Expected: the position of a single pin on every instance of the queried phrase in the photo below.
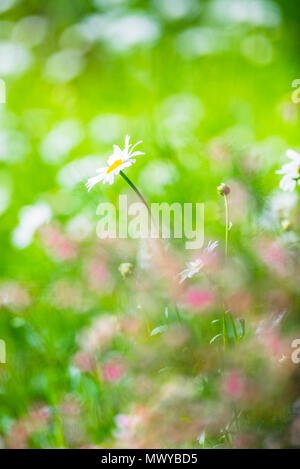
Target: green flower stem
(226, 224)
(224, 330)
(226, 254)
(177, 312)
(149, 211)
(133, 186)
(135, 190)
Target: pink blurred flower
(270, 339)
(127, 426)
(199, 298)
(275, 347)
(13, 296)
(233, 385)
(67, 294)
(65, 250)
(18, 435)
(218, 151)
(57, 244)
(130, 325)
(123, 420)
(99, 334)
(83, 361)
(39, 417)
(114, 370)
(96, 274)
(274, 256)
(50, 235)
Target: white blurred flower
(290, 171)
(119, 160)
(14, 146)
(200, 41)
(61, 140)
(173, 10)
(194, 267)
(278, 206)
(30, 30)
(283, 203)
(120, 33)
(78, 170)
(93, 27)
(256, 12)
(131, 30)
(158, 174)
(31, 218)
(79, 227)
(106, 128)
(64, 66)
(15, 59)
(6, 5)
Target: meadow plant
(185, 335)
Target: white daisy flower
(291, 172)
(194, 267)
(119, 160)
(211, 246)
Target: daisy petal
(137, 153)
(101, 170)
(117, 161)
(293, 155)
(127, 138)
(93, 181)
(135, 145)
(287, 184)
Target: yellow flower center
(198, 266)
(114, 166)
(298, 170)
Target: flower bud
(223, 189)
(282, 359)
(286, 225)
(126, 269)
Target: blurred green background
(207, 86)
